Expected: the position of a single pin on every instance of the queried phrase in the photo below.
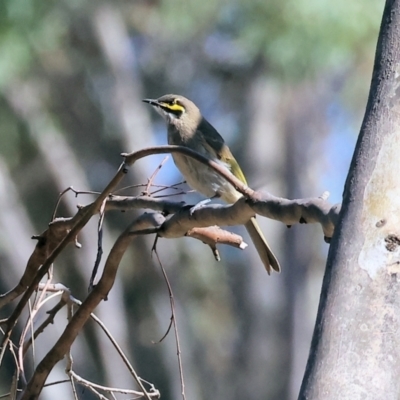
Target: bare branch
(153, 176)
(290, 212)
(175, 325)
(214, 235)
(131, 158)
(175, 221)
(99, 292)
(30, 283)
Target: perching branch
(289, 212)
(170, 220)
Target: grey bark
(355, 351)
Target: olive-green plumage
(187, 127)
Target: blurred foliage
(302, 38)
(294, 39)
(297, 39)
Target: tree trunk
(355, 351)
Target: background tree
(355, 345)
(289, 78)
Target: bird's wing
(215, 144)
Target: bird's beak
(152, 102)
(159, 107)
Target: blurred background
(285, 82)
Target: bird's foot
(199, 205)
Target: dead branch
(70, 236)
(99, 293)
(289, 212)
(175, 220)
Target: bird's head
(175, 109)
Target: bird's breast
(198, 176)
(205, 180)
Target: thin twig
(38, 303)
(138, 185)
(161, 188)
(93, 386)
(163, 196)
(77, 193)
(121, 353)
(80, 223)
(153, 175)
(60, 196)
(171, 319)
(49, 320)
(99, 245)
(177, 343)
(17, 373)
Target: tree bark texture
(355, 351)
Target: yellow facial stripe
(174, 107)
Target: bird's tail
(267, 256)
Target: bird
(187, 127)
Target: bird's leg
(199, 205)
(202, 203)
